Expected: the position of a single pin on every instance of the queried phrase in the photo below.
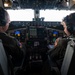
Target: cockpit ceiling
(39, 4)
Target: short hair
(70, 22)
(3, 14)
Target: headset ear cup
(70, 29)
(2, 23)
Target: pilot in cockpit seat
(11, 44)
(68, 24)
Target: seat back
(3, 61)
(68, 65)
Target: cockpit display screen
(55, 33)
(33, 32)
(17, 33)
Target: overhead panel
(41, 4)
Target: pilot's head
(4, 20)
(69, 24)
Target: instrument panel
(36, 32)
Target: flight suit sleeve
(18, 53)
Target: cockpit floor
(40, 70)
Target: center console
(36, 46)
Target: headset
(3, 21)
